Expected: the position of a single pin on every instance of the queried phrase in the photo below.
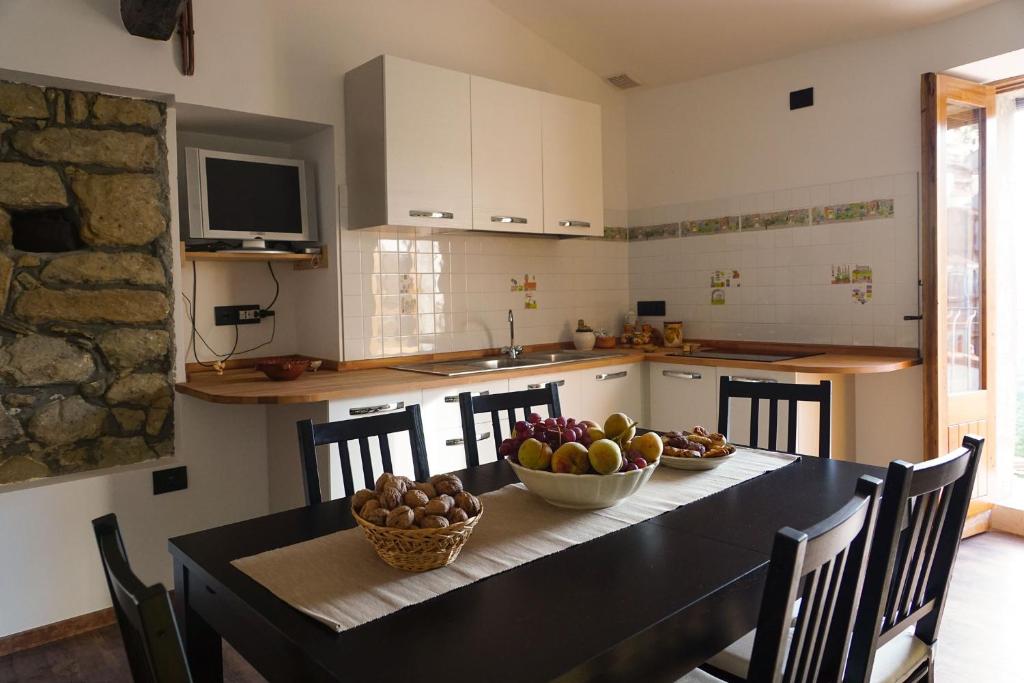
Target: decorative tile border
(712, 226)
(854, 211)
(615, 234)
(793, 218)
(653, 232)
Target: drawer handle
(573, 224)
(678, 374)
(382, 408)
(419, 213)
(459, 442)
(611, 375)
(756, 380)
(455, 398)
(557, 383)
(508, 219)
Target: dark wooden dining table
(649, 602)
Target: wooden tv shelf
(300, 261)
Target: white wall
(266, 57)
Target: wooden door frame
(935, 89)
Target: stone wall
(86, 336)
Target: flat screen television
(251, 198)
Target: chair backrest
(920, 522)
(496, 404)
(361, 430)
(150, 633)
(774, 392)
(829, 560)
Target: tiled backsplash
(408, 291)
(778, 252)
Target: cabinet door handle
(459, 442)
(455, 398)
(573, 224)
(611, 375)
(508, 219)
(420, 213)
(557, 383)
(382, 408)
(678, 374)
(758, 380)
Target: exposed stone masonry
(86, 349)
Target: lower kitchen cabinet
(682, 396)
(568, 389)
(611, 389)
(442, 425)
(398, 443)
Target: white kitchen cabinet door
(429, 158)
(508, 189)
(398, 443)
(682, 396)
(442, 425)
(568, 390)
(612, 389)
(573, 180)
(739, 414)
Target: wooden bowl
(282, 369)
(605, 342)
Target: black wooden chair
(920, 522)
(496, 404)
(774, 392)
(361, 430)
(824, 567)
(150, 634)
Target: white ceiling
(666, 41)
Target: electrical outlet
(799, 99)
(172, 479)
(246, 314)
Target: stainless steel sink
(470, 366)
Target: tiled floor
(980, 638)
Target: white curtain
(1008, 288)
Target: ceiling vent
(622, 81)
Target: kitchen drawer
(683, 396)
(612, 389)
(739, 414)
(447, 453)
(568, 389)
(398, 443)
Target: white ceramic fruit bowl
(583, 491)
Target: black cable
(190, 312)
(277, 287)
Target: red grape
(568, 436)
(534, 418)
(640, 463)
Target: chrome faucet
(512, 351)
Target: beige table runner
(339, 580)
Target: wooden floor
(980, 638)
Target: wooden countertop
(247, 386)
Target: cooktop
(733, 355)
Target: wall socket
(246, 314)
(171, 479)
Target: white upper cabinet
(508, 190)
(407, 130)
(573, 181)
(430, 147)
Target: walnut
(401, 517)
(440, 505)
(457, 515)
(390, 498)
(418, 514)
(360, 498)
(378, 516)
(368, 507)
(427, 488)
(415, 498)
(434, 522)
(384, 480)
(449, 485)
(468, 502)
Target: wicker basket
(418, 550)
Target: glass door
(958, 326)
